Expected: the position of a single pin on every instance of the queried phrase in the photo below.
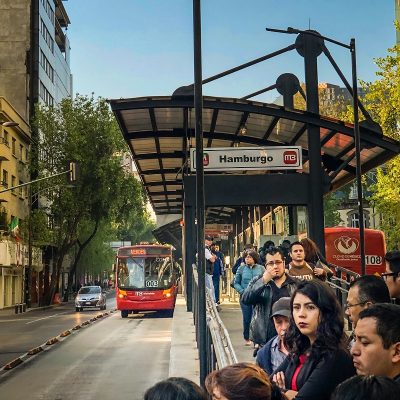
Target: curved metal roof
(160, 130)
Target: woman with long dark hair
(318, 359)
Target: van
(342, 248)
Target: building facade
(35, 68)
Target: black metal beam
(271, 128)
(298, 135)
(368, 135)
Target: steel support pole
(28, 271)
(198, 106)
(358, 155)
(310, 47)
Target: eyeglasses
(347, 306)
(386, 274)
(271, 263)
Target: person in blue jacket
(274, 352)
(245, 273)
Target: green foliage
(84, 130)
(331, 213)
(98, 255)
(383, 102)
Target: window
(21, 190)
(5, 178)
(49, 10)
(21, 152)
(46, 36)
(6, 138)
(45, 64)
(13, 183)
(45, 95)
(13, 145)
(354, 220)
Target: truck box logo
(346, 245)
(290, 157)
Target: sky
(134, 48)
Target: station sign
(249, 158)
(224, 228)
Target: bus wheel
(124, 313)
(167, 313)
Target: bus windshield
(146, 273)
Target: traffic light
(73, 171)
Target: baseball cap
(208, 237)
(281, 307)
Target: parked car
(90, 297)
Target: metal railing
(219, 349)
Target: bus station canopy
(160, 130)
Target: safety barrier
(219, 349)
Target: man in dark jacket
(271, 356)
(263, 291)
(376, 350)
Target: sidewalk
(184, 356)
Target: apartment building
(35, 68)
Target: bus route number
(373, 260)
(152, 284)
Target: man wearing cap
(270, 356)
(210, 259)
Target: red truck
(342, 247)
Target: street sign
(249, 158)
(218, 228)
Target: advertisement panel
(342, 246)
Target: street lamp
(356, 127)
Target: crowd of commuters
(292, 317)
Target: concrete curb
(32, 353)
(184, 356)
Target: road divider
(35, 350)
(12, 364)
(52, 341)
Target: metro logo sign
(249, 158)
(290, 157)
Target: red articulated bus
(146, 279)
(342, 247)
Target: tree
(84, 130)
(331, 213)
(383, 102)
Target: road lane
(21, 332)
(114, 359)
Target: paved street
(21, 332)
(114, 358)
